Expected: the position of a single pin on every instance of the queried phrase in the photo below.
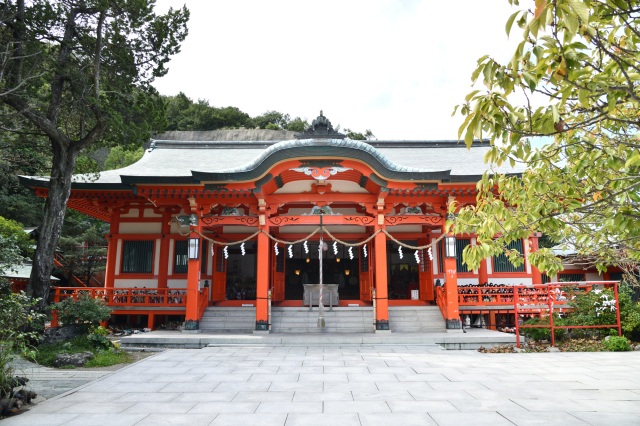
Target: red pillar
(452, 315)
(483, 273)
(381, 285)
(192, 319)
(112, 249)
(536, 275)
(164, 250)
(262, 282)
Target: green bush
(617, 343)
(104, 355)
(18, 319)
(83, 310)
(539, 334)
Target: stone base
(454, 330)
(262, 332)
(191, 331)
(383, 332)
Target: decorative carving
(320, 128)
(190, 220)
(229, 220)
(360, 220)
(324, 210)
(281, 220)
(230, 211)
(413, 210)
(320, 173)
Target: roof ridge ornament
(320, 128)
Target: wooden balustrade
(120, 297)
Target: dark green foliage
(105, 353)
(83, 248)
(83, 310)
(357, 136)
(617, 343)
(17, 319)
(184, 114)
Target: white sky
(395, 67)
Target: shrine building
(256, 220)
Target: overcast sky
(395, 67)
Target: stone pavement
(361, 385)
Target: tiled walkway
(358, 385)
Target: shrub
(83, 310)
(18, 318)
(617, 343)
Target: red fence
(555, 297)
(127, 296)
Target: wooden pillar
(381, 284)
(452, 313)
(164, 250)
(112, 249)
(536, 275)
(192, 320)
(262, 281)
(483, 272)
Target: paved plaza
(353, 385)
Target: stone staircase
(402, 319)
(217, 319)
(416, 319)
(339, 320)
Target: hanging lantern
(194, 248)
(450, 246)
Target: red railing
(555, 297)
(441, 300)
(127, 296)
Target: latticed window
(137, 257)
(181, 261)
(571, 277)
(460, 245)
(501, 262)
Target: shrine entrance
(304, 268)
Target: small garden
(595, 308)
(79, 342)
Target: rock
(552, 349)
(606, 339)
(63, 333)
(74, 360)
(637, 348)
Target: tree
(573, 78)
(79, 71)
(120, 157)
(357, 136)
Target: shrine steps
(337, 320)
(416, 319)
(219, 319)
(402, 319)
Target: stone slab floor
(353, 385)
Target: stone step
(415, 319)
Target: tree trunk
(54, 212)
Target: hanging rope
(303, 239)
